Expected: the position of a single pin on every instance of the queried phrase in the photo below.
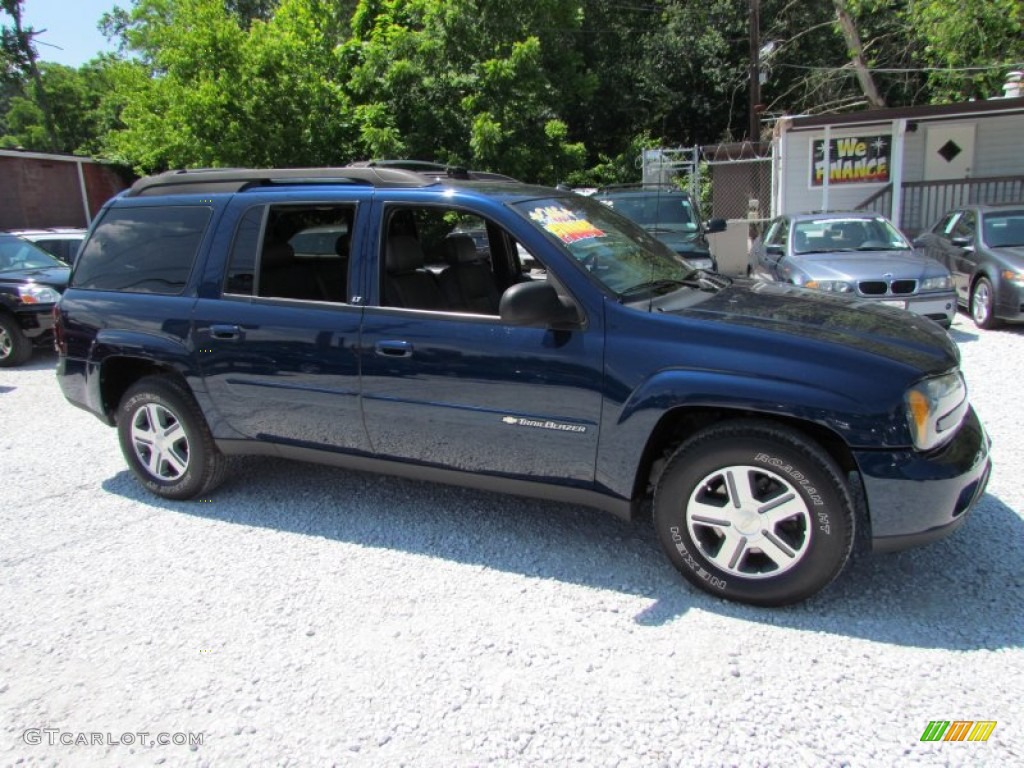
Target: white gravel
(309, 616)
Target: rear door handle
(226, 332)
(394, 348)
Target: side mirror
(537, 304)
(775, 250)
(715, 225)
(960, 241)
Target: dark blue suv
(344, 316)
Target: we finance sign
(852, 160)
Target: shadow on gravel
(41, 360)
(965, 331)
(961, 593)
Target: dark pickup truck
(344, 316)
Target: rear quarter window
(142, 249)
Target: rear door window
(143, 249)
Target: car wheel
(754, 512)
(15, 349)
(983, 304)
(165, 439)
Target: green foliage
(72, 97)
(548, 90)
(956, 36)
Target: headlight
(943, 283)
(698, 262)
(935, 408)
(836, 286)
(37, 294)
(1017, 278)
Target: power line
(895, 70)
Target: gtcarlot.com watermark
(54, 736)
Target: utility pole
(755, 70)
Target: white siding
(997, 146)
(997, 152)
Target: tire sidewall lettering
(801, 480)
(709, 578)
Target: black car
(668, 213)
(983, 248)
(31, 282)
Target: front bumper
(914, 498)
(940, 307)
(36, 321)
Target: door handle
(394, 348)
(226, 332)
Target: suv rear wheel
(15, 349)
(755, 512)
(166, 441)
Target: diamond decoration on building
(949, 151)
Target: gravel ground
(310, 616)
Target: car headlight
(1017, 278)
(836, 286)
(935, 408)
(34, 293)
(943, 283)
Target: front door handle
(394, 348)
(226, 332)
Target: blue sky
(71, 25)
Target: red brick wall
(40, 192)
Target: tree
(484, 83)
(207, 92)
(19, 56)
(972, 43)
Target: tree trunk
(856, 50)
(25, 44)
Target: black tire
(15, 348)
(983, 304)
(186, 462)
(735, 550)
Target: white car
(62, 242)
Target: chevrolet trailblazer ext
(345, 316)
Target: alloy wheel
(160, 442)
(749, 522)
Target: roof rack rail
(434, 169)
(213, 180)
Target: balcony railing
(923, 202)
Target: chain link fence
(728, 181)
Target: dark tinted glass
(145, 250)
(241, 277)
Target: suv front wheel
(166, 441)
(755, 512)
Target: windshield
(18, 254)
(661, 211)
(846, 234)
(620, 255)
(1005, 229)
